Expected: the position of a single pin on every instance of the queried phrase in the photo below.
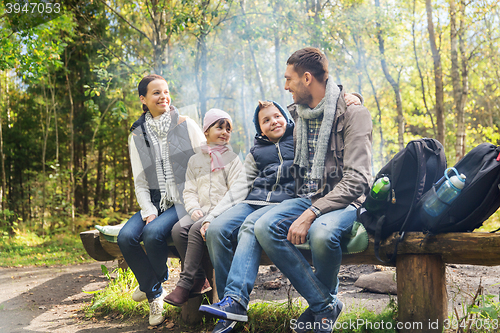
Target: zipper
(278, 176)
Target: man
(332, 170)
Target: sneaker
(178, 296)
(325, 322)
(139, 295)
(200, 287)
(226, 309)
(304, 322)
(224, 326)
(156, 316)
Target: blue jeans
(235, 277)
(318, 287)
(150, 269)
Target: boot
(178, 296)
(200, 287)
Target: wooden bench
(420, 269)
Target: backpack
(479, 198)
(412, 172)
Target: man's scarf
(158, 130)
(327, 107)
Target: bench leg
(422, 296)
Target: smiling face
(157, 98)
(272, 123)
(219, 133)
(295, 84)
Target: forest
(69, 75)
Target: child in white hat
(209, 176)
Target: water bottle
(447, 192)
(379, 192)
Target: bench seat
(420, 268)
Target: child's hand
(351, 99)
(197, 214)
(203, 230)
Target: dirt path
(50, 299)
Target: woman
(160, 144)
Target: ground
(49, 299)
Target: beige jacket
(205, 189)
(348, 159)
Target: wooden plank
(422, 297)
(477, 248)
(472, 248)
(91, 244)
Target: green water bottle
(378, 194)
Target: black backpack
(479, 198)
(412, 172)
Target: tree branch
(130, 24)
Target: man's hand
(197, 214)
(150, 218)
(351, 99)
(203, 230)
(298, 230)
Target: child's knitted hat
(214, 115)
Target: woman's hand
(203, 230)
(197, 214)
(351, 99)
(150, 218)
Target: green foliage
(273, 317)
(116, 298)
(368, 321)
(480, 313)
(29, 249)
(61, 169)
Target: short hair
(312, 60)
(142, 88)
(265, 104)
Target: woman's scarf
(158, 130)
(327, 107)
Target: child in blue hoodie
(265, 182)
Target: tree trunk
(72, 148)
(381, 132)
(315, 7)
(97, 195)
(429, 113)
(2, 156)
(252, 54)
(257, 72)
(44, 152)
(277, 53)
(248, 141)
(201, 66)
(438, 76)
(460, 145)
(393, 83)
(85, 181)
(160, 39)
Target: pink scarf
(215, 152)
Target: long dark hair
(142, 88)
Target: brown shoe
(200, 287)
(178, 296)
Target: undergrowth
(275, 317)
(26, 248)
